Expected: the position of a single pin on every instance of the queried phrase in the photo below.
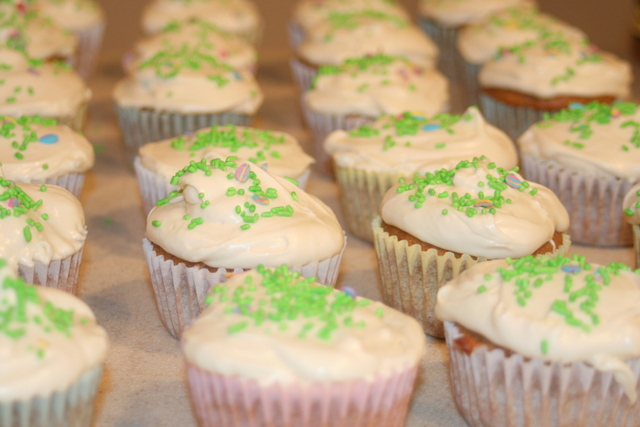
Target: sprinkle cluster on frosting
(289, 296)
(19, 203)
(351, 20)
(29, 135)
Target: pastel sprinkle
(14, 202)
(242, 173)
(571, 269)
(264, 166)
(350, 291)
(431, 127)
(259, 199)
(49, 138)
(513, 181)
(483, 203)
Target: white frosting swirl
(280, 151)
(221, 211)
(74, 15)
(455, 13)
(478, 42)
(486, 300)
(376, 85)
(48, 90)
(359, 34)
(631, 205)
(39, 225)
(44, 349)
(596, 140)
(233, 16)
(45, 150)
(369, 341)
(557, 65)
(517, 228)
(406, 143)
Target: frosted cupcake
(359, 90)
(631, 204)
(291, 352)
(436, 225)
(52, 355)
(230, 216)
(34, 88)
(238, 17)
(368, 160)
(37, 150)
(360, 34)
(547, 75)
(178, 90)
(559, 337)
(278, 152)
(43, 233)
(588, 156)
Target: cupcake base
(59, 274)
(89, 41)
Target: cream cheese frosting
(475, 208)
(478, 42)
(358, 34)
(74, 15)
(408, 142)
(332, 335)
(233, 16)
(555, 309)
(557, 65)
(234, 214)
(380, 84)
(186, 79)
(39, 222)
(279, 152)
(594, 139)
(30, 88)
(631, 205)
(36, 149)
(454, 13)
(49, 339)
(203, 37)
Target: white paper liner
(89, 41)
(295, 34)
(410, 277)
(231, 401)
(636, 243)
(594, 203)
(139, 126)
(470, 87)
(302, 74)
(60, 274)
(511, 119)
(154, 187)
(72, 407)
(180, 291)
(492, 389)
(73, 182)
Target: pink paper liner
(511, 119)
(594, 203)
(89, 41)
(231, 401)
(73, 182)
(494, 389)
(59, 274)
(180, 291)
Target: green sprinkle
(156, 223)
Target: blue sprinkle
(49, 138)
(236, 75)
(349, 291)
(576, 106)
(431, 127)
(571, 269)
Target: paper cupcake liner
(232, 401)
(60, 274)
(295, 35)
(470, 87)
(511, 119)
(302, 74)
(73, 182)
(594, 203)
(75, 122)
(180, 291)
(72, 407)
(89, 41)
(139, 126)
(636, 243)
(410, 277)
(493, 389)
(154, 187)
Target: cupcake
(586, 154)
(547, 75)
(37, 150)
(309, 13)
(360, 34)
(436, 225)
(182, 89)
(35, 88)
(278, 152)
(359, 90)
(85, 20)
(275, 349)
(631, 204)
(52, 355)
(545, 342)
(479, 42)
(238, 17)
(369, 159)
(228, 216)
(43, 233)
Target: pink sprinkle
(615, 112)
(264, 166)
(34, 71)
(223, 53)
(417, 70)
(13, 202)
(242, 173)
